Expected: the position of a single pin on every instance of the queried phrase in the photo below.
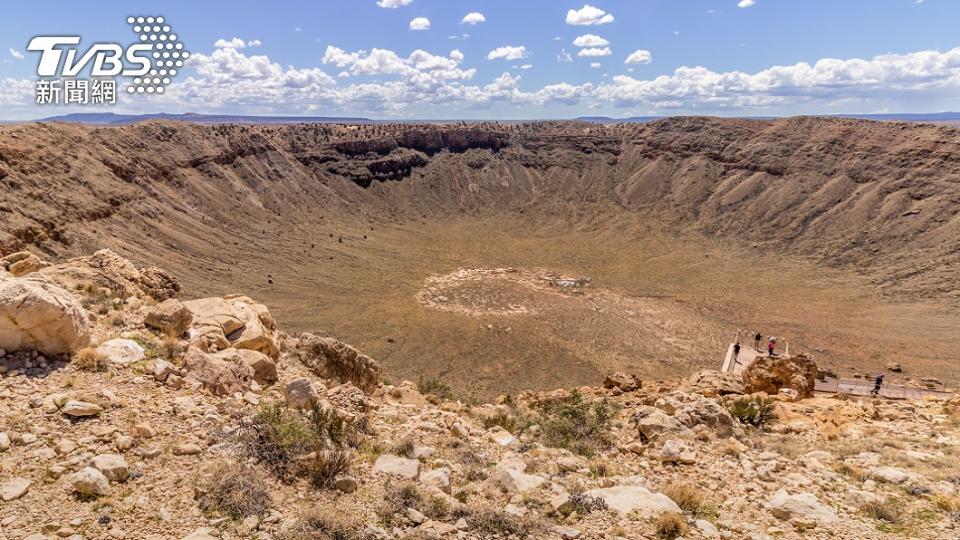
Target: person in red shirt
(770, 345)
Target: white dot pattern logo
(168, 53)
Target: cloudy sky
(518, 58)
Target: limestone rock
(264, 368)
(122, 351)
(712, 383)
(113, 466)
(625, 382)
(332, 359)
(14, 489)
(90, 482)
(107, 270)
(37, 314)
(79, 409)
(258, 332)
(170, 318)
(222, 373)
(21, 263)
(802, 505)
(393, 465)
(770, 374)
(299, 393)
(890, 475)
(438, 478)
(626, 499)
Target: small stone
(90, 482)
(397, 466)
(345, 484)
(113, 466)
(80, 409)
(14, 489)
(186, 449)
(300, 393)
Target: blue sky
(520, 59)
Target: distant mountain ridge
(114, 119)
(888, 117)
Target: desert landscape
(478, 330)
(839, 236)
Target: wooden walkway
(836, 385)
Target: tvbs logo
(150, 64)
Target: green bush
(435, 387)
(753, 411)
(283, 439)
(573, 423)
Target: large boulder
(122, 351)
(107, 270)
(169, 317)
(21, 263)
(236, 322)
(627, 499)
(802, 506)
(222, 373)
(333, 359)
(680, 411)
(771, 373)
(37, 314)
(712, 383)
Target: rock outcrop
(771, 373)
(105, 270)
(331, 358)
(35, 313)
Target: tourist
(756, 341)
(876, 385)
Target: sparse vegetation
(670, 525)
(233, 490)
(284, 440)
(573, 423)
(88, 359)
(886, 511)
(584, 504)
(687, 496)
(328, 524)
(435, 387)
(398, 498)
(755, 411)
(493, 522)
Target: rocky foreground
(128, 413)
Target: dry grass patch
(328, 524)
(492, 522)
(88, 359)
(887, 511)
(233, 490)
(687, 496)
(670, 525)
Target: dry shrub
(670, 525)
(435, 387)
(293, 444)
(398, 498)
(403, 447)
(687, 496)
(852, 472)
(492, 522)
(882, 510)
(233, 490)
(573, 423)
(328, 524)
(947, 503)
(88, 359)
(324, 467)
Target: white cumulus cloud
(393, 4)
(473, 18)
(16, 54)
(235, 43)
(595, 65)
(639, 56)
(590, 40)
(420, 23)
(588, 16)
(595, 51)
(508, 52)
(746, 3)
